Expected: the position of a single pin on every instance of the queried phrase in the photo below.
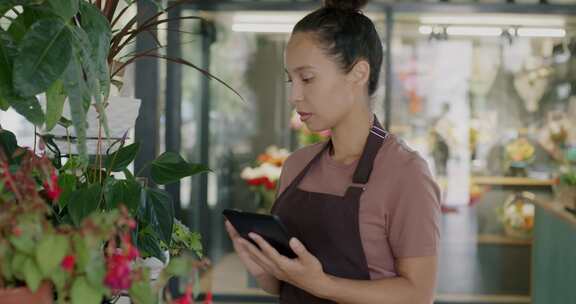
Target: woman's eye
(307, 80)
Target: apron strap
(373, 143)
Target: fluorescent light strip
(263, 28)
(541, 32)
(473, 31)
(425, 30)
(267, 18)
(495, 20)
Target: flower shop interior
(484, 90)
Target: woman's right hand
(241, 248)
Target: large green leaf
(160, 213)
(99, 33)
(64, 8)
(55, 97)
(84, 293)
(88, 63)
(83, 202)
(119, 160)
(79, 100)
(24, 21)
(67, 183)
(50, 252)
(8, 52)
(141, 293)
(45, 52)
(171, 167)
(150, 245)
(32, 274)
(125, 192)
(29, 107)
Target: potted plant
(83, 263)
(70, 51)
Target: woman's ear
(361, 72)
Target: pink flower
(68, 263)
(118, 272)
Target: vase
(22, 295)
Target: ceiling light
(541, 32)
(495, 20)
(473, 31)
(263, 27)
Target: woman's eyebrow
(300, 68)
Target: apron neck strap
(374, 141)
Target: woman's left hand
(304, 272)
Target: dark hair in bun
(347, 35)
(345, 4)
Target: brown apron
(328, 224)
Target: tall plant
(69, 50)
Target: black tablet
(268, 227)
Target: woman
(363, 207)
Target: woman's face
(320, 91)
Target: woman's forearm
(269, 283)
(390, 291)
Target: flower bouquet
(263, 178)
(519, 153)
(517, 215)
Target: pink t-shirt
(399, 211)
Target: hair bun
(345, 4)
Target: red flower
(186, 298)
(270, 185)
(118, 272)
(132, 252)
(68, 263)
(53, 190)
(16, 231)
(256, 181)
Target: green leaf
(99, 33)
(18, 265)
(8, 142)
(23, 243)
(126, 192)
(83, 202)
(8, 51)
(141, 293)
(150, 245)
(178, 267)
(83, 293)
(119, 160)
(81, 250)
(29, 107)
(79, 100)
(32, 274)
(88, 64)
(65, 8)
(160, 213)
(50, 252)
(24, 21)
(55, 97)
(95, 272)
(67, 183)
(45, 52)
(4, 105)
(171, 167)
(59, 279)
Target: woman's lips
(304, 116)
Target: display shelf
(511, 181)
